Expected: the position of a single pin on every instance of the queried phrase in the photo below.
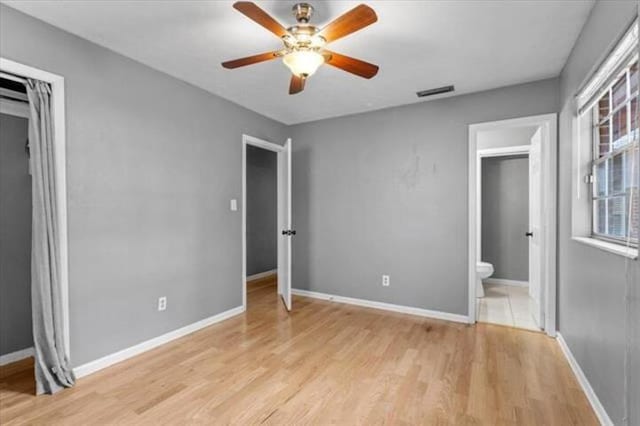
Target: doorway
(505, 291)
(262, 223)
(506, 215)
(266, 219)
(50, 300)
(16, 336)
(59, 157)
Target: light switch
(234, 205)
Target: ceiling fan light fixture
(304, 43)
(303, 63)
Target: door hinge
(588, 178)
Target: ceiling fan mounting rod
(302, 12)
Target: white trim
(626, 50)
(548, 122)
(619, 249)
(26, 71)
(504, 151)
(12, 78)
(15, 108)
(383, 306)
(260, 143)
(597, 406)
(60, 149)
(16, 356)
(262, 275)
(503, 281)
(285, 221)
(250, 140)
(109, 360)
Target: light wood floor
(325, 363)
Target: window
(616, 215)
(607, 150)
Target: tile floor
(506, 305)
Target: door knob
(529, 234)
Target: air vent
(436, 91)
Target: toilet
(483, 270)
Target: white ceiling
(474, 45)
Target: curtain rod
(12, 77)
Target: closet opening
(16, 336)
(34, 301)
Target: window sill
(630, 252)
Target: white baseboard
(261, 275)
(601, 413)
(16, 356)
(104, 362)
(503, 281)
(384, 306)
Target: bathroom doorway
(512, 237)
(507, 297)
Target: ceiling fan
(304, 44)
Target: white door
(285, 231)
(535, 228)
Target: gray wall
(591, 282)
(505, 137)
(262, 210)
(152, 163)
(15, 236)
(385, 192)
(505, 216)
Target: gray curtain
(51, 365)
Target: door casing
(548, 124)
(60, 175)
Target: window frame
(607, 158)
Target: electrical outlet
(162, 303)
(386, 281)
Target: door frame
(270, 146)
(548, 124)
(60, 177)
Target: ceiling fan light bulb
(303, 63)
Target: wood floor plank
(323, 363)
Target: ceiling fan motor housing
(302, 12)
(303, 37)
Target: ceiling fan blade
(253, 12)
(296, 85)
(350, 22)
(352, 65)
(236, 63)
